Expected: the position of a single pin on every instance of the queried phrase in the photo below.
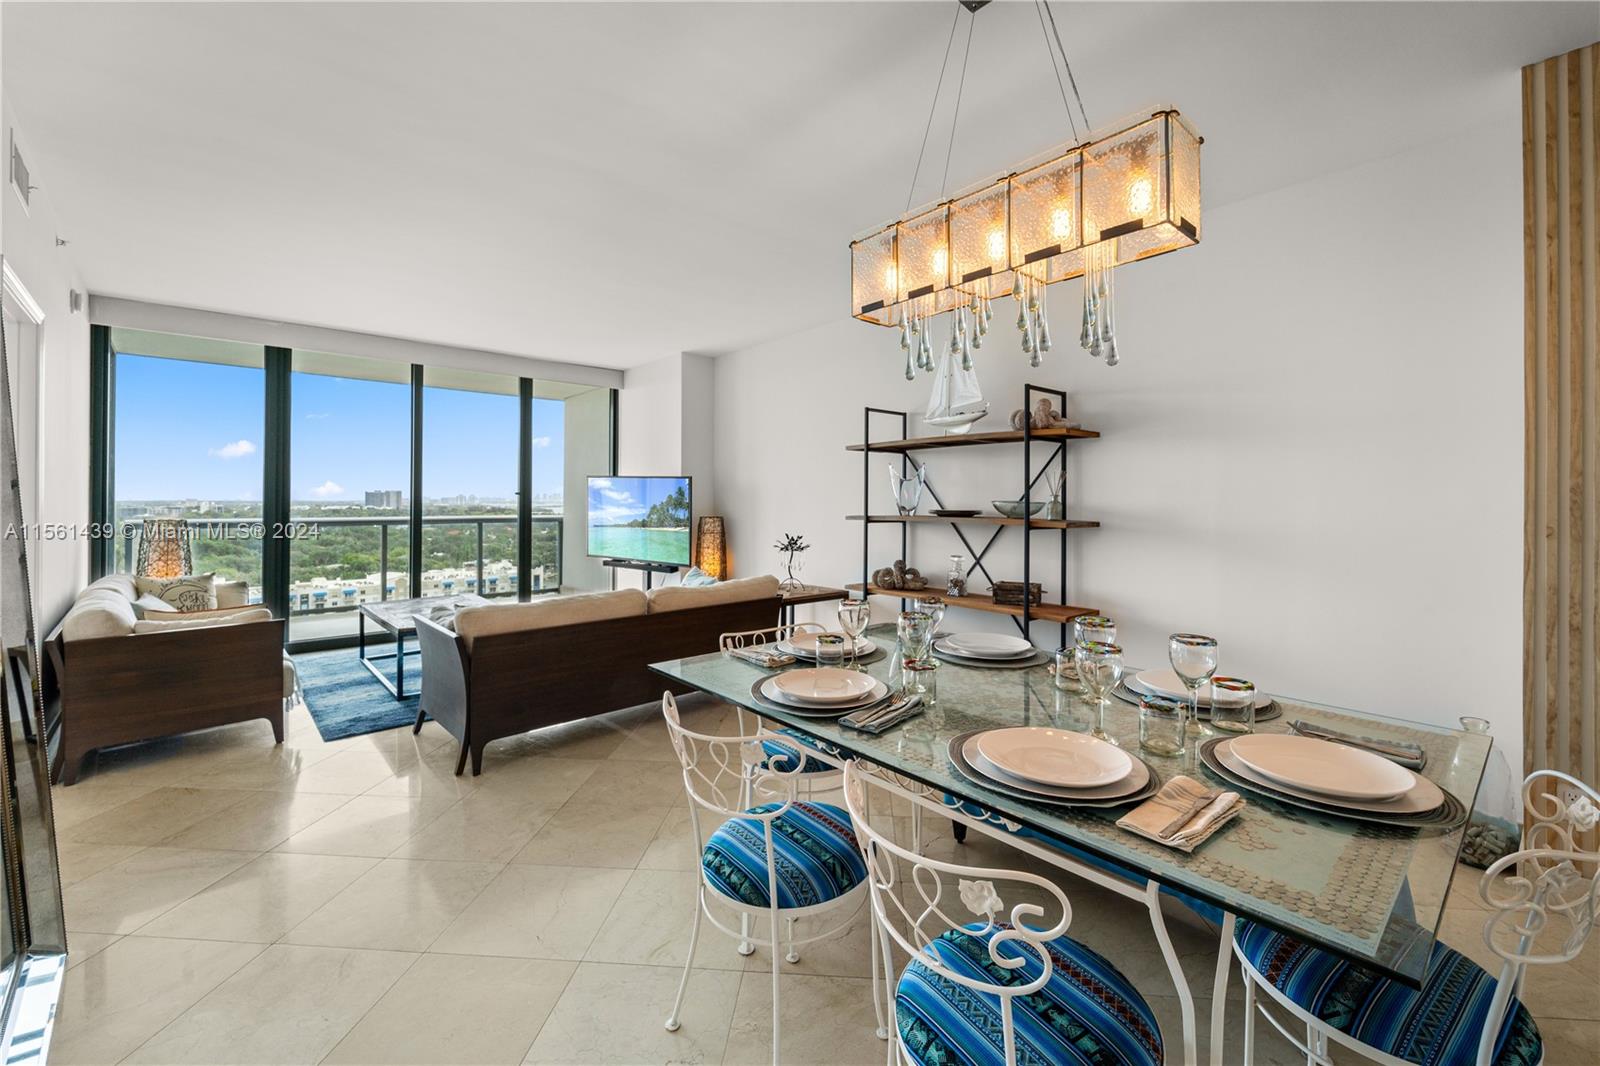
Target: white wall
(1312, 449)
(27, 241)
(587, 450)
(666, 425)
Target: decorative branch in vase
(791, 544)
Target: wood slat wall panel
(1561, 552)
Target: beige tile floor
(229, 901)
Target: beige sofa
(507, 668)
(125, 678)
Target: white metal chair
(991, 991)
(1462, 1015)
(781, 858)
(819, 767)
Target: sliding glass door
(189, 425)
(349, 490)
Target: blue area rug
(347, 701)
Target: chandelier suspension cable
(933, 108)
(1087, 129)
(956, 115)
(1044, 35)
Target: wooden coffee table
(398, 617)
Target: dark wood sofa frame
(510, 683)
(117, 690)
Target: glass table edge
(1409, 965)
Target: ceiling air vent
(19, 173)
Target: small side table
(793, 598)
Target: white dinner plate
(1421, 798)
(1166, 683)
(986, 646)
(1054, 756)
(824, 684)
(805, 645)
(769, 691)
(1323, 767)
(1136, 779)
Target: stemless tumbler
(1161, 729)
(1233, 704)
(830, 649)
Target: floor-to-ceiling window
(349, 490)
(195, 429)
(188, 426)
(471, 424)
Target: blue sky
(614, 500)
(187, 429)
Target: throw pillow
(150, 603)
(190, 592)
(697, 578)
(233, 593)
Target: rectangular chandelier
(1126, 196)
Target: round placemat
(968, 772)
(1263, 714)
(806, 712)
(1038, 658)
(1448, 815)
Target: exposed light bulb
(940, 258)
(889, 279)
(997, 245)
(1141, 196)
(1061, 224)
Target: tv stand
(634, 564)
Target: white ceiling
(613, 183)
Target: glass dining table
(1370, 892)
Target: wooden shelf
(1043, 612)
(982, 519)
(963, 440)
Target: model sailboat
(956, 402)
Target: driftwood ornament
(1044, 416)
(900, 577)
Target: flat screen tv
(640, 519)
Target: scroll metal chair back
(1544, 900)
(818, 762)
(733, 779)
(1543, 903)
(915, 901)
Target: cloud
(327, 490)
(317, 416)
(237, 450)
(541, 442)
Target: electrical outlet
(1570, 794)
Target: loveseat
(504, 669)
(127, 675)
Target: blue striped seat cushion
(1087, 1013)
(1438, 1025)
(817, 860)
(780, 756)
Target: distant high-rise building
(386, 499)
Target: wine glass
(1194, 660)
(1099, 669)
(853, 618)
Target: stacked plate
(986, 649)
(1053, 766)
(804, 645)
(1333, 778)
(820, 691)
(1165, 683)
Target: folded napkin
(1183, 814)
(760, 656)
(1411, 756)
(883, 717)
